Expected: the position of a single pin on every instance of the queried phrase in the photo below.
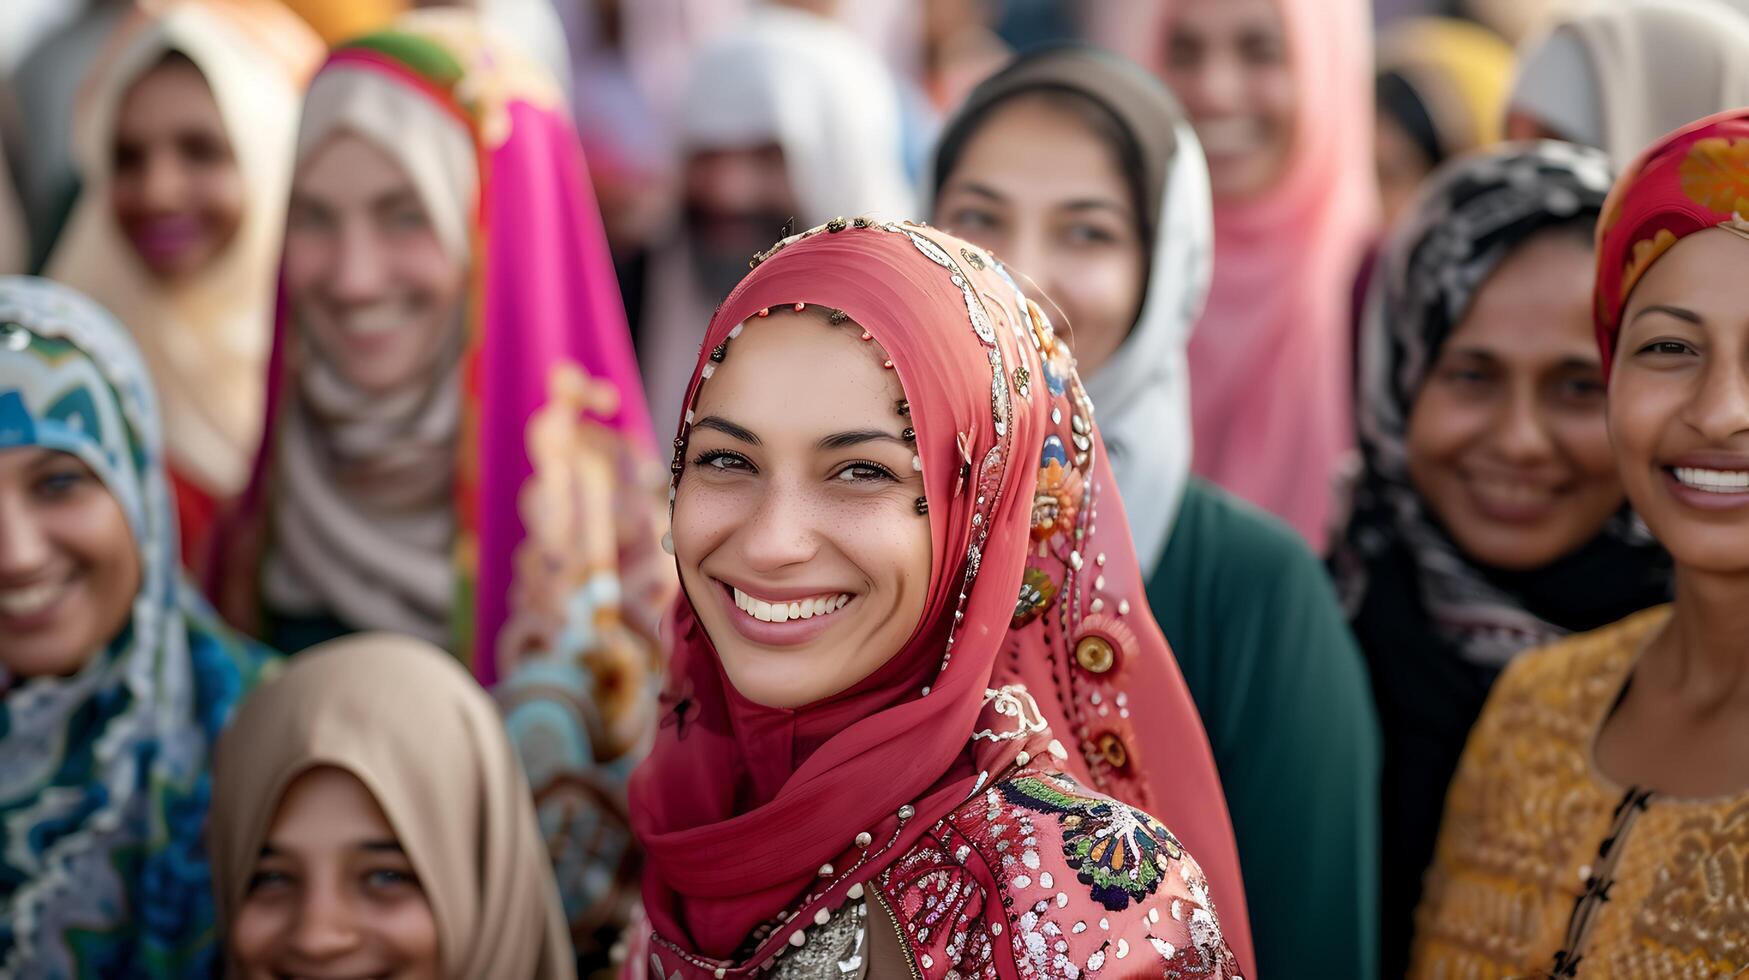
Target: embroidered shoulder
(1063, 881)
(1563, 688)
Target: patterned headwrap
(104, 774)
(1470, 216)
(1691, 180)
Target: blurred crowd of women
(897, 489)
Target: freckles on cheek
(703, 517)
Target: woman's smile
(776, 617)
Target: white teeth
(783, 612)
(1713, 481)
(1513, 491)
(377, 320)
(29, 600)
(1231, 136)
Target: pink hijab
(1269, 363)
(739, 806)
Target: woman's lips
(1708, 488)
(1510, 501)
(27, 609)
(755, 617)
(162, 241)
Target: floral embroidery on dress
(1057, 502)
(1117, 850)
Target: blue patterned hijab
(104, 774)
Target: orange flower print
(1057, 501)
(1715, 175)
(1646, 252)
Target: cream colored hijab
(411, 724)
(205, 341)
(1618, 74)
(14, 242)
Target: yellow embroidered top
(1546, 868)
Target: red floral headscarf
(1691, 180)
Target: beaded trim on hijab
(1012, 702)
(1038, 332)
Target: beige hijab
(408, 721)
(1619, 74)
(364, 514)
(205, 341)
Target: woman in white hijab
(1080, 171)
(1618, 74)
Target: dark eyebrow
(400, 197)
(1095, 204)
(1688, 316)
(982, 190)
(844, 440)
(1479, 353)
(727, 428)
(380, 846)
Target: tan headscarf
(206, 340)
(411, 724)
(1619, 74)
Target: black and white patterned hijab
(1469, 216)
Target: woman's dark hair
(1095, 115)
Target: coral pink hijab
(740, 806)
(1269, 363)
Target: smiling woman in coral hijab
(1280, 93)
(894, 522)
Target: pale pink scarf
(1269, 362)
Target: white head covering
(1142, 394)
(206, 341)
(1618, 74)
(815, 89)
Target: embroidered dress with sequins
(933, 794)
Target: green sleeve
(1257, 630)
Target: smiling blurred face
(1228, 61)
(795, 526)
(176, 191)
(333, 893)
(370, 283)
(1679, 401)
(69, 568)
(1037, 186)
(1507, 442)
(736, 203)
